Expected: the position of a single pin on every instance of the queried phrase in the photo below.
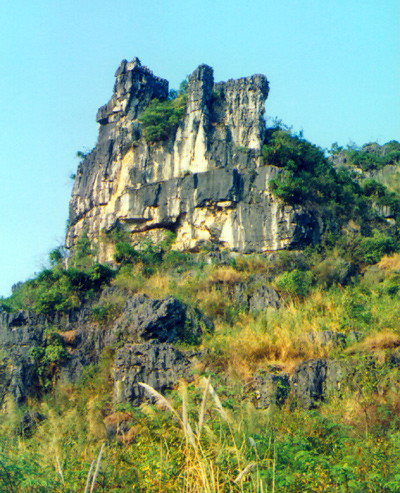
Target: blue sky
(333, 67)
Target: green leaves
(160, 119)
(295, 283)
(307, 175)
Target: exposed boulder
(271, 390)
(260, 297)
(19, 332)
(25, 337)
(160, 365)
(328, 337)
(316, 379)
(166, 320)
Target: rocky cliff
(205, 182)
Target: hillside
(225, 315)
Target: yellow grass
(225, 275)
(390, 262)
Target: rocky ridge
(205, 182)
(142, 339)
(143, 344)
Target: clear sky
(333, 67)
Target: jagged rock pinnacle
(205, 180)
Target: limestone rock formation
(144, 333)
(315, 379)
(205, 182)
(158, 365)
(166, 320)
(19, 332)
(271, 390)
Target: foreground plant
(202, 471)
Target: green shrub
(331, 271)
(308, 176)
(108, 308)
(57, 255)
(296, 283)
(83, 251)
(160, 119)
(373, 156)
(371, 249)
(150, 255)
(125, 253)
(59, 289)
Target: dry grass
(201, 472)
(157, 286)
(131, 279)
(255, 344)
(213, 302)
(278, 338)
(225, 275)
(69, 337)
(252, 264)
(377, 342)
(390, 262)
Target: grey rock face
(326, 337)
(143, 319)
(19, 332)
(260, 298)
(206, 182)
(166, 320)
(315, 379)
(159, 365)
(271, 390)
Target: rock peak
(203, 177)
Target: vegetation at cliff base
(218, 440)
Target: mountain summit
(187, 161)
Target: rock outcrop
(314, 380)
(159, 365)
(19, 333)
(37, 350)
(205, 182)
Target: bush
(125, 253)
(296, 283)
(333, 270)
(373, 156)
(149, 255)
(160, 119)
(371, 249)
(58, 289)
(308, 176)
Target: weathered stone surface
(23, 331)
(260, 297)
(206, 182)
(256, 295)
(166, 320)
(326, 337)
(142, 319)
(271, 390)
(160, 365)
(19, 332)
(329, 337)
(315, 379)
